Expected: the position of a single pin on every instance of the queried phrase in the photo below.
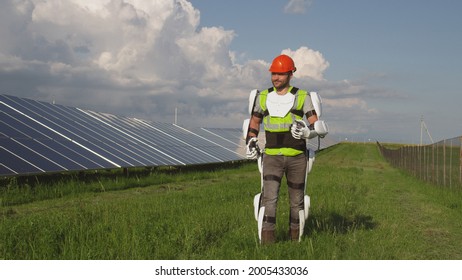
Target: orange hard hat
(282, 64)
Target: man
(281, 108)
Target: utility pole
(176, 115)
(422, 127)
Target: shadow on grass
(336, 223)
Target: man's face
(281, 80)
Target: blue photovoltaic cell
(4, 169)
(13, 164)
(70, 150)
(17, 126)
(233, 135)
(163, 142)
(215, 146)
(184, 146)
(227, 137)
(45, 148)
(26, 152)
(37, 137)
(59, 128)
(136, 138)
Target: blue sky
(406, 53)
(378, 65)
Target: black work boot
(267, 237)
(294, 234)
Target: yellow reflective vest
(279, 140)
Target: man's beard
(281, 86)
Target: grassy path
(361, 209)
(384, 213)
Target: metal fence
(439, 163)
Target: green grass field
(361, 209)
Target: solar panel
(162, 137)
(39, 125)
(230, 139)
(38, 137)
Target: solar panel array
(38, 137)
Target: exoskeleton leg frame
(303, 214)
(259, 211)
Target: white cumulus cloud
(309, 63)
(297, 6)
(143, 59)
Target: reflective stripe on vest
(288, 152)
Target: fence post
(419, 159)
(427, 178)
(417, 165)
(450, 164)
(437, 166)
(444, 162)
(422, 163)
(433, 163)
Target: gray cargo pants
(274, 168)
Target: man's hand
(300, 130)
(252, 150)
